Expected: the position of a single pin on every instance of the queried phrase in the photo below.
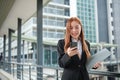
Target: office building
(108, 17)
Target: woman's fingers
(98, 64)
(74, 48)
(72, 51)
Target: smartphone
(73, 44)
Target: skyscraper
(116, 24)
(86, 11)
(108, 22)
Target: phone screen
(73, 44)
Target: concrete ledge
(6, 76)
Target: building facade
(116, 14)
(87, 12)
(108, 20)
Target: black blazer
(74, 68)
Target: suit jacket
(74, 68)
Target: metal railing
(29, 72)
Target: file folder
(98, 57)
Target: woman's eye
(71, 27)
(77, 27)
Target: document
(98, 57)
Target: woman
(74, 59)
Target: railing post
(22, 72)
(13, 69)
(19, 48)
(34, 52)
(57, 74)
(4, 51)
(23, 54)
(9, 49)
(29, 72)
(39, 39)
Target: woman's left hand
(96, 65)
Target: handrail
(105, 73)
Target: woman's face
(75, 30)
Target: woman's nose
(74, 30)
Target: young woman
(73, 59)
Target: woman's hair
(81, 36)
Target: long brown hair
(81, 36)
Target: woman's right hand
(72, 51)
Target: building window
(112, 23)
(54, 57)
(67, 12)
(67, 2)
(51, 34)
(47, 57)
(113, 41)
(50, 56)
(45, 33)
(34, 33)
(112, 32)
(111, 14)
(110, 5)
(34, 21)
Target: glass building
(86, 11)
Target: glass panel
(54, 58)
(45, 34)
(51, 34)
(47, 57)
